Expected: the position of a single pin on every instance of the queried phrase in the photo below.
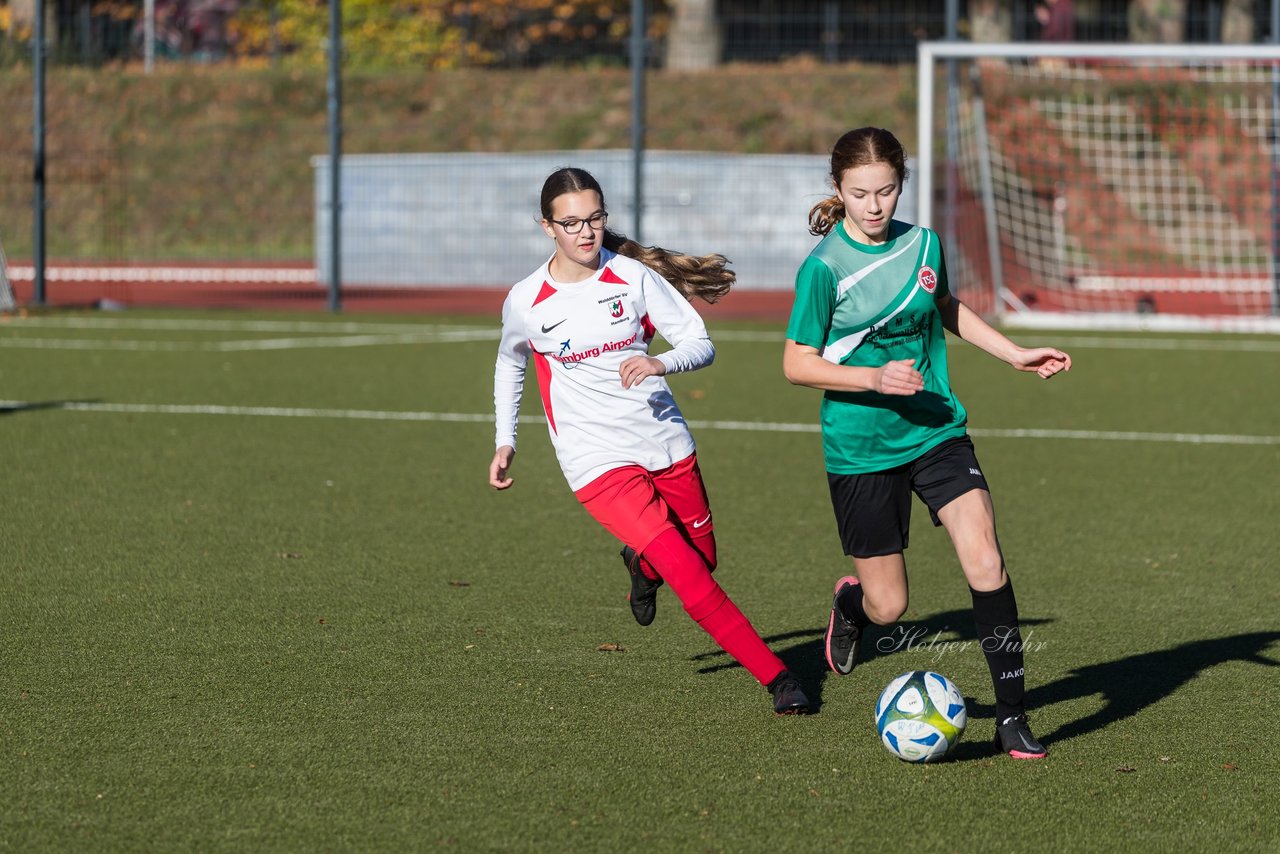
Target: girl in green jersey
(867, 327)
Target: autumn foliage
(389, 34)
(377, 35)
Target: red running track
(287, 287)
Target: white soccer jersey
(578, 335)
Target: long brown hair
(704, 276)
(860, 147)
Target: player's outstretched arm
(501, 465)
(964, 322)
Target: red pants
(665, 517)
(636, 505)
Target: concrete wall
(424, 220)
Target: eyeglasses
(573, 226)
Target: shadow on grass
(1129, 685)
(37, 405)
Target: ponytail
(825, 215)
(704, 276)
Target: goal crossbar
(1099, 110)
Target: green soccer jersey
(865, 305)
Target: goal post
(7, 301)
(1104, 185)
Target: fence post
(38, 170)
(149, 35)
(953, 118)
(1275, 166)
(637, 117)
(335, 155)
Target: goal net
(1118, 186)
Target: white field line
(170, 274)
(455, 333)
(240, 345)
(1271, 345)
(374, 340)
(487, 418)
(230, 325)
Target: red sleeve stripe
(542, 366)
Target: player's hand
(498, 477)
(638, 368)
(1045, 361)
(899, 377)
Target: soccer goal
(7, 301)
(1104, 185)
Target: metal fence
(206, 31)
(123, 191)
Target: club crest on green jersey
(928, 279)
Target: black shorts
(873, 511)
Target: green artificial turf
(307, 624)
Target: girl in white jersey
(585, 318)
(872, 301)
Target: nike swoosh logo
(703, 522)
(848, 663)
(546, 329)
(846, 667)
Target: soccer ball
(920, 716)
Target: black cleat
(844, 637)
(644, 590)
(1014, 737)
(788, 697)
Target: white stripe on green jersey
(836, 351)
(866, 305)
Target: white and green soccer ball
(920, 716)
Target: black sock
(850, 604)
(996, 614)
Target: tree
(377, 34)
(990, 21)
(694, 40)
(520, 32)
(382, 34)
(1160, 21)
(22, 17)
(1237, 21)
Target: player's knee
(985, 570)
(886, 609)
